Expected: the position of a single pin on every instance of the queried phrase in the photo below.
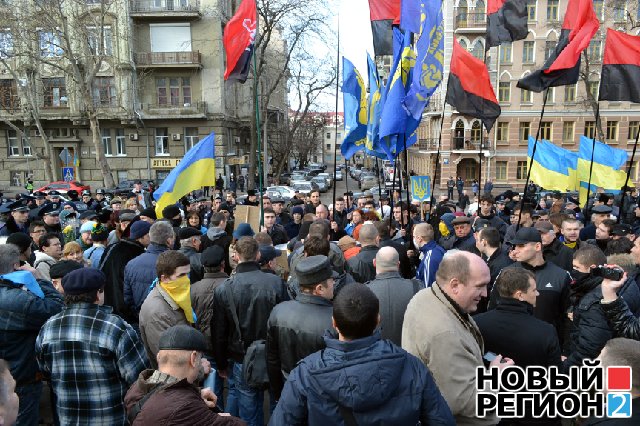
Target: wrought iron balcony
(168, 59)
(169, 8)
(470, 18)
(175, 110)
(430, 144)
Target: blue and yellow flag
(428, 72)
(420, 188)
(374, 108)
(608, 164)
(552, 166)
(354, 95)
(196, 170)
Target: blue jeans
(29, 409)
(215, 382)
(250, 400)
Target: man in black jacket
(553, 282)
(553, 250)
(254, 294)
(486, 212)
(488, 244)
(361, 265)
(295, 328)
(276, 232)
(384, 233)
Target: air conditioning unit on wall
(133, 136)
(176, 136)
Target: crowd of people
(363, 311)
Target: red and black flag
(469, 88)
(239, 41)
(384, 14)
(563, 66)
(620, 80)
(506, 21)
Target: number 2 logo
(619, 405)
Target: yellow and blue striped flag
(608, 165)
(196, 170)
(552, 167)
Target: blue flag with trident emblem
(355, 110)
(420, 188)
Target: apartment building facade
(158, 91)
(502, 153)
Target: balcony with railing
(429, 144)
(168, 59)
(470, 19)
(192, 109)
(461, 144)
(171, 9)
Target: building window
(531, 10)
(501, 170)
(55, 92)
(162, 141)
(524, 131)
(106, 141)
(121, 140)
(50, 44)
(190, 138)
(6, 44)
(174, 91)
(527, 52)
(9, 99)
(478, 50)
(568, 129)
(594, 51)
(521, 170)
(598, 7)
(104, 92)
(122, 175)
(552, 10)
(13, 144)
(570, 93)
(328, 135)
(502, 133)
(545, 130)
(549, 48)
(612, 131)
(476, 131)
(339, 136)
(590, 129)
(634, 126)
(526, 96)
(551, 95)
(504, 91)
(619, 11)
(505, 53)
(592, 87)
(328, 146)
(94, 35)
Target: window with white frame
(95, 35)
(50, 44)
(6, 44)
(26, 148)
(121, 140)
(528, 49)
(505, 53)
(13, 144)
(190, 137)
(106, 141)
(162, 141)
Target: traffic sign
(67, 173)
(66, 157)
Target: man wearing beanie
(60, 269)
(293, 226)
(295, 327)
(113, 263)
(170, 394)
(148, 215)
(23, 242)
(99, 235)
(89, 355)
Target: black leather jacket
(361, 265)
(294, 331)
(623, 322)
(255, 293)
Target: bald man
(448, 341)
(393, 292)
(361, 266)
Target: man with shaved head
(361, 265)
(447, 340)
(393, 292)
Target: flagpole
(435, 172)
(335, 144)
(257, 105)
(379, 187)
(533, 155)
(626, 182)
(593, 151)
(486, 50)
(406, 171)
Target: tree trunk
(101, 160)
(253, 147)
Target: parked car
(284, 192)
(338, 175)
(328, 178)
(284, 178)
(314, 172)
(355, 173)
(62, 187)
(321, 182)
(368, 182)
(304, 187)
(122, 187)
(297, 176)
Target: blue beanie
(83, 280)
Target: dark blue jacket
(22, 315)
(378, 381)
(139, 274)
(432, 255)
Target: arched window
(458, 135)
(478, 50)
(463, 44)
(476, 132)
(480, 6)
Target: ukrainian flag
(196, 170)
(354, 95)
(608, 164)
(551, 167)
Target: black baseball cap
(526, 235)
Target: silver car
(321, 182)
